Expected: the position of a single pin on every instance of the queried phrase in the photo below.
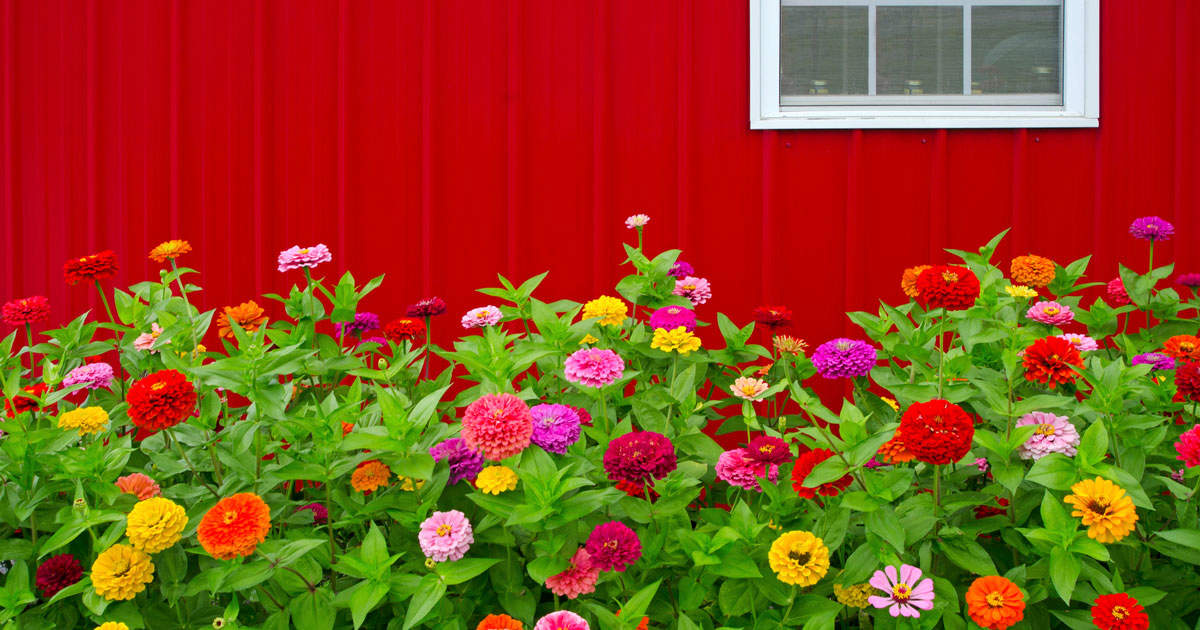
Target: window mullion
(872, 88)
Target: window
(836, 64)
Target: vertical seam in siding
(511, 137)
(938, 202)
(341, 128)
(1020, 205)
(259, 185)
(851, 218)
(765, 138)
(599, 113)
(173, 133)
(683, 128)
(427, 149)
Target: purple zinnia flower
(362, 323)
(1152, 228)
(427, 307)
(1189, 280)
(695, 289)
(1082, 343)
(1054, 434)
(672, 317)
(1156, 360)
(465, 463)
(297, 257)
(1051, 313)
(613, 546)
(681, 269)
(319, 513)
(594, 367)
(481, 317)
(555, 427)
(94, 375)
(904, 594)
(844, 358)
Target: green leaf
(736, 597)
(883, 523)
(1054, 471)
(428, 594)
(1186, 537)
(968, 555)
(374, 548)
(423, 410)
(632, 611)
(1093, 445)
(462, 570)
(315, 609)
(1054, 516)
(1064, 571)
(365, 599)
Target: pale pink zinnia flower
(748, 388)
(480, 317)
(904, 594)
(579, 579)
(1082, 343)
(1051, 313)
(695, 289)
(145, 341)
(1054, 434)
(736, 468)
(446, 536)
(594, 367)
(637, 221)
(562, 620)
(296, 257)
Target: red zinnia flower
(21, 404)
(1119, 611)
(951, 288)
(1187, 382)
(805, 464)
(984, 511)
(636, 490)
(1049, 359)
(90, 268)
(58, 572)
(937, 432)
(161, 400)
(404, 329)
(30, 310)
(773, 316)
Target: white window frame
(1080, 80)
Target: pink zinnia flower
(637, 221)
(1082, 343)
(594, 367)
(145, 341)
(1117, 296)
(1178, 475)
(446, 536)
(30, 310)
(1051, 313)
(481, 317)
(500, 425)
(93, 375)
(695, 289)
(320, 513)
(562, 620)
(748, 388)
(579, 579)
(904, 593)
(139, 485)
(982, 464)
(1054, 434)
(297, 257)
(1188, 447)
(736, 468)
(612, 546)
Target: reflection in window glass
(919, 50)
(823, 50)
(1016, 50)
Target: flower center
(610, 544)
(901, 592)
(444, 530)
(229, 517)
(1187, 346)
(766, 449)
(689, 287)
(950, 276)
(800, 558)
(84, 259)
(1099, 505)
(1050, 310)
(1120, 612)
(1045, 429)
(749, 390)
(158, 386)
(843, 346)
(995, 600)
(481, 315)
(304, 251)
(673, 311)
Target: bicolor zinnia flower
(90, 268)
(1033, 271)
(640, 457)
(248, 315)
(799, 558)
(555, 427)
(500, 425)
(561, 620)
(905, 593)
(748, 388)
(769, 449)
(370, 476)
(677, 340)
(1054, 434)
(362, 323)
(56, 573)
(794, 346)
(496, 479)
(773, 316)
(139, 485)
(1020, 291)
(579, 578)
(161, 400)
(949, 287)
(404, 329)
(1155, 360)
(30, 310)
(937, 432)
(672, 317)
(613, 546)
(169, 250)
(804, 467)
(499, 622)
(1188, 447)
(1049, 361)
(1119, 611)
(637, 221)
(1105, 509)
(86, 419)
(1183, 347)
(464, 461)
(446, 536)
(1152, 228)
(235, 526)
(594, 367)
(296, 257)
(695, 289)
(908, 281)
(91, 375)
(737, 468)
(680, 269)
(428, 307)
(121, 572)
(155, 524)
(844, 358)
(995, 603)
(1082, 343)
(1116, 294)
(1050, 313)
(608, 310)
(482, 317)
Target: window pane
(823, 50)
(919, 50)
(1016, 50)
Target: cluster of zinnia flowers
(844, 358)
(1054, 434)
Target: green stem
(941, 353)
(212, 453)
(116, 339)
(29, 342)
(33, 527)
(187, 460)
(937, 494)
(187, 303)
(788, 610)
(332, 544)
(428, 340)
(604, 412)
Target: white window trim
(1081, 81)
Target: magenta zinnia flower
(639, 457)
(736, 468)
(844, 358)
(1054, 434)
(1152, 228)
(672, 317)
(561, 620)
(500, 425)
(30, 310)
(319, 512)
(594, 367)
(579, 579)
(695, 289)
(427, 307)
(446, 536)
(1082, 343)
(1117, 296)
(681, 269)
(1156, 360)
(297, 257)
(363, 322)
(613, 546)
(1189, 280)
(1051, 313)
(1188, 447)
(555, 427)
(93, 375)
(905, 594)
(481, 317)
(465, 462)
(768, 449)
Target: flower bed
(1009, 457)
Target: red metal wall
(441, 141)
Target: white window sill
(843, 119)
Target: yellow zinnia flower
(610, 310)
(408, 484)
(799, 558)
(1105, 508)
(155, 524)
(112, 625)
(678, 340)
(496, 479)
(1020, 291)
(588, 339)
(169, 250)
(86, 419)
(855, 596)
(121, 572)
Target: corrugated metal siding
(441, 141)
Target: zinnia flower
(138, 485)
(805, 465)
(155, 524)
(465, 462)
(1031, 270)
(639, 457)
(482, 317)
(297, 257)
(555, 427)
(499, 622)
(1187, 382)
(86, 419)
(363, 322)
(773, 316)
(748, 388)
(1116, 294)
(612, 546)
(370, 476)
(234, 526)
(428, 307)
(948, 287)
(855, 596)
(894, 452)
(680, 269)
(937, 432)
(404, 329)
(672, 317)
(169, 250)
(677, 340)
(248, 315)
(1054, 434)
(1119, 611)
(500, 425)
(609, 310)
(637, 221)
(1184, 347)
(121, 572)
(594, 367)
(445, 536)
(1105, 509)
(1189, 280)
(1082, 343)
(56, 573)
(1049, 361)
(320, 513)
(496, 479)
(30, 310)
(1050, 313)
(737, 468)
(92, 375)
(908, 281)
(561, 620)
(90, 268)
(995, 602)
(1152, 228)
(579, 579)
(161, 400)
(112, 625)
(982, 465)
(1155, 360)
(145, 341)
(794, 346)
(844, 358)
(21, 404)
(1020, 291)
(768, 449)
(695, 289)
(799, 558)
(904, 594)
(1188, 447)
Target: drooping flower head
(1032, 271)
(737, 468)
(1119, 611)
(579, 579)
(949, 287)
(1020, 291)
(30, 310)
(145, 341)
(555, 427)
(672, 317)
(370, 476)
(296, 257)
(805, 465)
(1051, 313)
(637, 221)
(769, 449)
(773, 316)
(1049, 360)
(908, 280)
(464, 461)
(1105, 509)
(235, 526)
(695, 289)
(482, 317)
(320, 513)
(1082, 343)
(86, 419)
(1189, 280)
(1152, 228)
(91, 375)
(1156, 360)
(499, 622)
(748, 388)
(446, 536)
(844, 358)
(496, 479)
(139, 485)
(404, 329)
(594, 367)
(995, 603)
(799, 558)
(169, 250)
(161, 400)
(1188, 447)
(640, 457)
(500, 425)
(363, 322)
(609, 310)
(155, 524)
(937, 432)
(680, 269)
(1054, 434)
(855, 596)
(428, 307)
(90, 268)
(612, 546)
(1187, 382)
(561, 620)
(904, 592)
(794, 346)
(56, 573)
(121, 572)
(248, 315)
(1115, 293)
(676, 340)
(1183, 347)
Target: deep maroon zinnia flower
(844, 358)
(427, 307)
(1152, 228)
(768, 449)
(56, 573)
(773, 316)
(90, 268)
(465, 462)
(30, 310)
(639, 456)
(613, 546)
(672, 317)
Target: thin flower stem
(941, 353)
(788, 611)
(270, 597)
(187, 460)
(937, 497)
(332, 544)
(428, 340)
(29, 342)
(187, 303)
(116, 339)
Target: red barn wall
(442, 141)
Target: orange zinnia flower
(1032, 271)
(370, 475)
(995, 602)
(248, 315)
(908, 282)
(234, 526)
(1183, 347)
(499, 622)
(169, 250)
(893, 451)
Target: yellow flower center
(689, 287)
(950, 276)
(158, 386)
(673, 310)
(229, 517)
(1120, 612)
(749, 390)
(1187, 346)
(610, 544)
(84, 259)
(481, 315)
(766, 449)
(901, 592)
(1099, 505)
(444, 530)
(995, 599)
(1050, 310)
(1045, 429)
(304, 251)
